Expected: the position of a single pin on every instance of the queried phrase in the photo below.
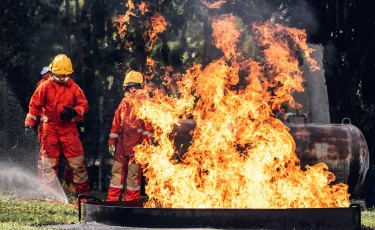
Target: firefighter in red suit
(127, 131)
(59, 100)
(67, 183)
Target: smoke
(292, 13)
(305, 17)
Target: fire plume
(150, 66)
(122, 21)
(156, 25)
(150, 62)
(225, 34)
(241, 156)
(215, 5)
(143, 7)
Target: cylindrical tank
(341, 146)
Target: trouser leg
(133, 182)
(73, 152)
(50, 150)
(68, 174)
(116, 188)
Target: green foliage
(368, 218)
(184, 57)
(195, 41)
(35, 212)
(194, 34)
(173, 45)
(247, 42)
(178, 5)
(156, 51)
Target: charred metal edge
(299, 218)
(84, 196)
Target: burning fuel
(143, 7)
(241, 156)
(122, 21)
(155, 25)
(214, 5)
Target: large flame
(156, 25)
(214, 5)
(122, 21)
(225, 34)
(143, 7)
(150, 66)
(241, 156)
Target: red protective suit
(126, 133)
(68, 173)
(40, 166)
(44, 78)
(49, 100)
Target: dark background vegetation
(33, 32)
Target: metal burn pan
(129, 215)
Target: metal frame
(120, 214)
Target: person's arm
(82, 106)
(116, 127)
(35, 105)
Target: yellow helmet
(133, 77)
(61, 64)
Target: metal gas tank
(341, 146)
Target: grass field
(368, 219)
(34, 214)
(30, 214)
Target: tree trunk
(67, 23)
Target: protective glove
(111, 150)
(68, 114)
(29, 131)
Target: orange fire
(169, 80)
(215, 5)
(122, 21)
(150, 66)
(241, 156)
(156, 25)
(143, 7)
(150, 62)
(225, 34)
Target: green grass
(30, 214)
(12, 226)
(368, 218)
